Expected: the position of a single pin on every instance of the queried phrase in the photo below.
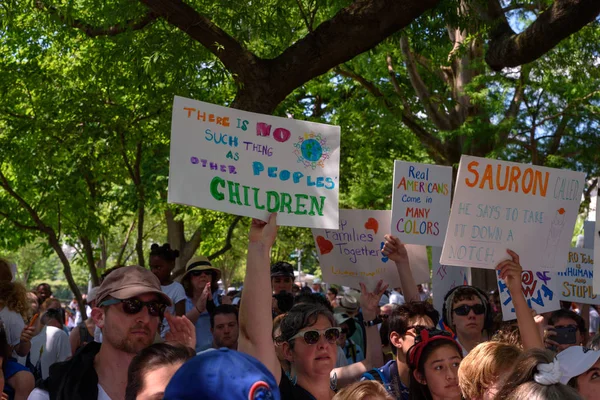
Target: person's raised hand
(204, 297)
(181, 330)
(369, 301)
(263, 233)
(394, 249)
(510, 271)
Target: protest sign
(501, 205)
(597, 248)
(575, 280)
(421, 202)
(445, 277)
(352, 254)
(588, 234)
(540, 289)
(252, 165)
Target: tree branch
(440, 119)
(17, 223)
(227, 245)
(95, 31)
(559, 21)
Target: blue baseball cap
(222, 374)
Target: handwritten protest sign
(352, 254)
(446, 277)
(501, 205)
(575, 280)
(540, 289)
(252, 165)
(421, 202)
(597, 248)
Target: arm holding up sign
(395, 250)
(510, 272)
(256, 318)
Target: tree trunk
(89, 258)
(177, 240)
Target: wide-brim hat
(127, 282)
(347, 303)
(343, 318)
(201, 263)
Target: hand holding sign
(394, 249)
(263, 233)
(510, 271)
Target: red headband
(414, 353)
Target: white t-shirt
(177, 293)
(39, 394)
(396, 298)
(13, 325)
(49, 346)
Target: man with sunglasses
(130, 306)
(467, 312)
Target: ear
(98, 315)
(288, 352)
(396, 340)
(420, 378)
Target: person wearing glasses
(130, 306)
(434, 360)
(308, 331)
(200, 284)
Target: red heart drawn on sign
(325, 246)
(372, 224)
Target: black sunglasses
(464, 310)
(201, 272)
(312, 336)
(134, 306)
(432, 333)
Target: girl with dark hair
(150, 370)
(162, 263)
(434, 360)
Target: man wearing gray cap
(129, 308)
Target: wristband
(373, 322)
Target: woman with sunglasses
(200, 284)
(308, 331)
(433, 361)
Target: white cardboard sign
(251, 164)
(575, 280)
(540, 289)
(352, 254)
(445, 277)
(421, 202)
(597, 249)
(501, 205)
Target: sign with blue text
(251, 164)
(540, 289)
(500, 205)
(575, 279)
(352, 254)
(421, 202)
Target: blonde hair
(363, 390)
(14, 296)
(482, 367)
(521, 384)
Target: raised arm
(256, 318)
(200, 305)
(369, 302)
(510, 272)
(395, 250)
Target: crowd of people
(145, 336)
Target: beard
(133, 344)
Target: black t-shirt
(292, 392)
